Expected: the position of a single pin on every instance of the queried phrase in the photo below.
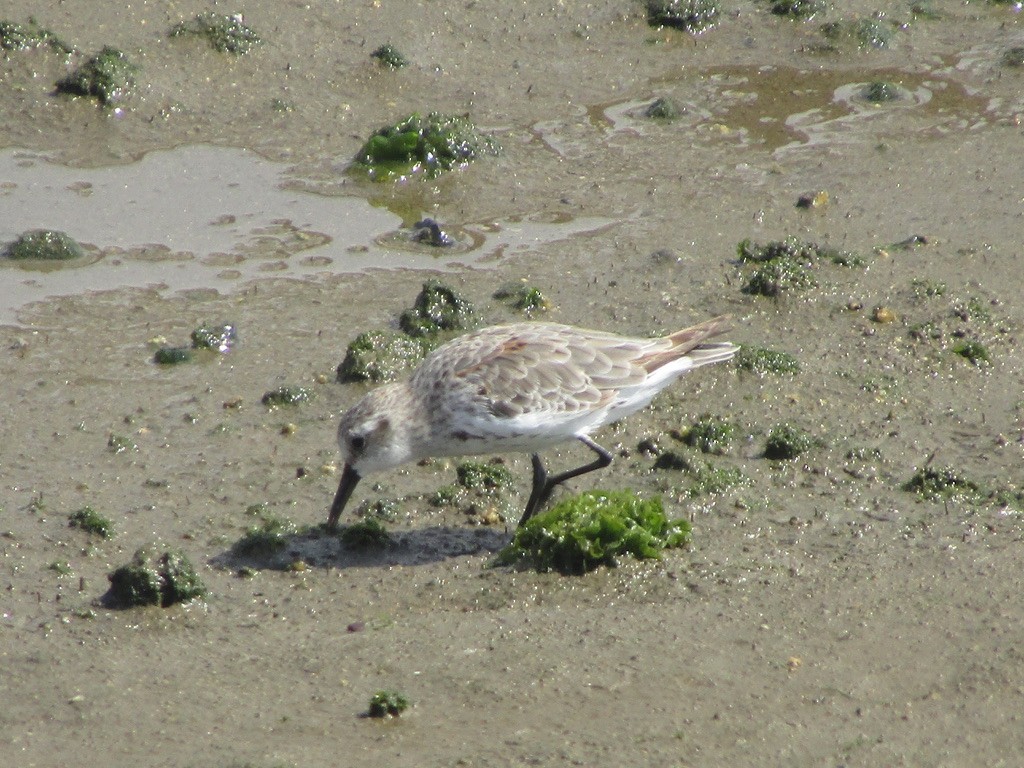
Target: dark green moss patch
(24, 37)
(154, 578)
(786, 265)
(477, 475)
(797, 9)
(389, 56)
(108, 76)
(525, 298)
(219, 338)
(880, 91)
(44, 245)
(594, 529)
(380, 356)
(973, 351)
(429, 145)
(943, 484)
(172, 355)
(438, 308)
(227, 34)
(387, 704)
(710, 434)
(91, 521)
(269, 536)
(787, 442)
(662, 108)
(693, 16)
(287, 396)
(366, 534)
(762, 361)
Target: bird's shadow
(316, 547)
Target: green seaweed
(693, 16)
(227, 34)
(389, 56)
(786, 442)
(380, 509)
(710, 434)
(44, 245)
(154, 578)
(881, 91)
(762, 361)
(121, 444)
(366, 534)
(866, 33)
(943, 484)
(593, 529)
(380, 357)
(109, 76)
(438, 308)
(24, 37)
(786, 265)
(172, 355)
(973, 351)
(779, 276)
(217, 337)
(387, 703)
(798, 9)
(525, 298)
(662, 108)
(481, 476)
(923, 288)
(709, 479)
(91, 521)
(287, 396)
(270, 535)
(429, 145)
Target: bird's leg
(543, 485)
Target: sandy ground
(822, 616)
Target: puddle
(213, 217)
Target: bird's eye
(358, 442)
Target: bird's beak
(349, 479)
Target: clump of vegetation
(121, 444)
(972, 309)
(709, 479)
(44, 245)
(817, 199)
(429, 232)
(429, 145)
(593, 529)
(270, 535)
(287, 396)
(693, 16)
(866, 33)
(109, 76)
(172, 355)
(710, 434)
(762, 361)
(227, 34)
(523, 297)
(785, 265)
(973, 351)
(24, 37)
(927, 288)
(880, 91)
(477, 475)
(380, 509)
(154, 578)
(216, 337)
(387, 704)
(662, 108)
(380, 357)
(366, 534)
(389, 56)
(943, 484)
(797, 9)
(91, 521)
(438, 308)
(786, 442)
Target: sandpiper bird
(520, 387)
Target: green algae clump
(154, 578)
(693, 16)
(942, 484)
(593, 529)
(881, 91)
(480, 476)
(798, 9)
(380, 357)
(387, 704)
(270, 535)
(227, 34)
(974, 352)
(366, 534)
(216, 337)
(786, 442)
(523, 297)
(390, 57)
(172, 355)
(25, 37)
(662, 108)
(91, 521)
(287, 396)
(109, 76)
(44, 245)
(710, 434)
(762, 361)
(429, 145)
(438, 308)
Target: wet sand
(823, 614)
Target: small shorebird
(521, 387)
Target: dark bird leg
(543, 485)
